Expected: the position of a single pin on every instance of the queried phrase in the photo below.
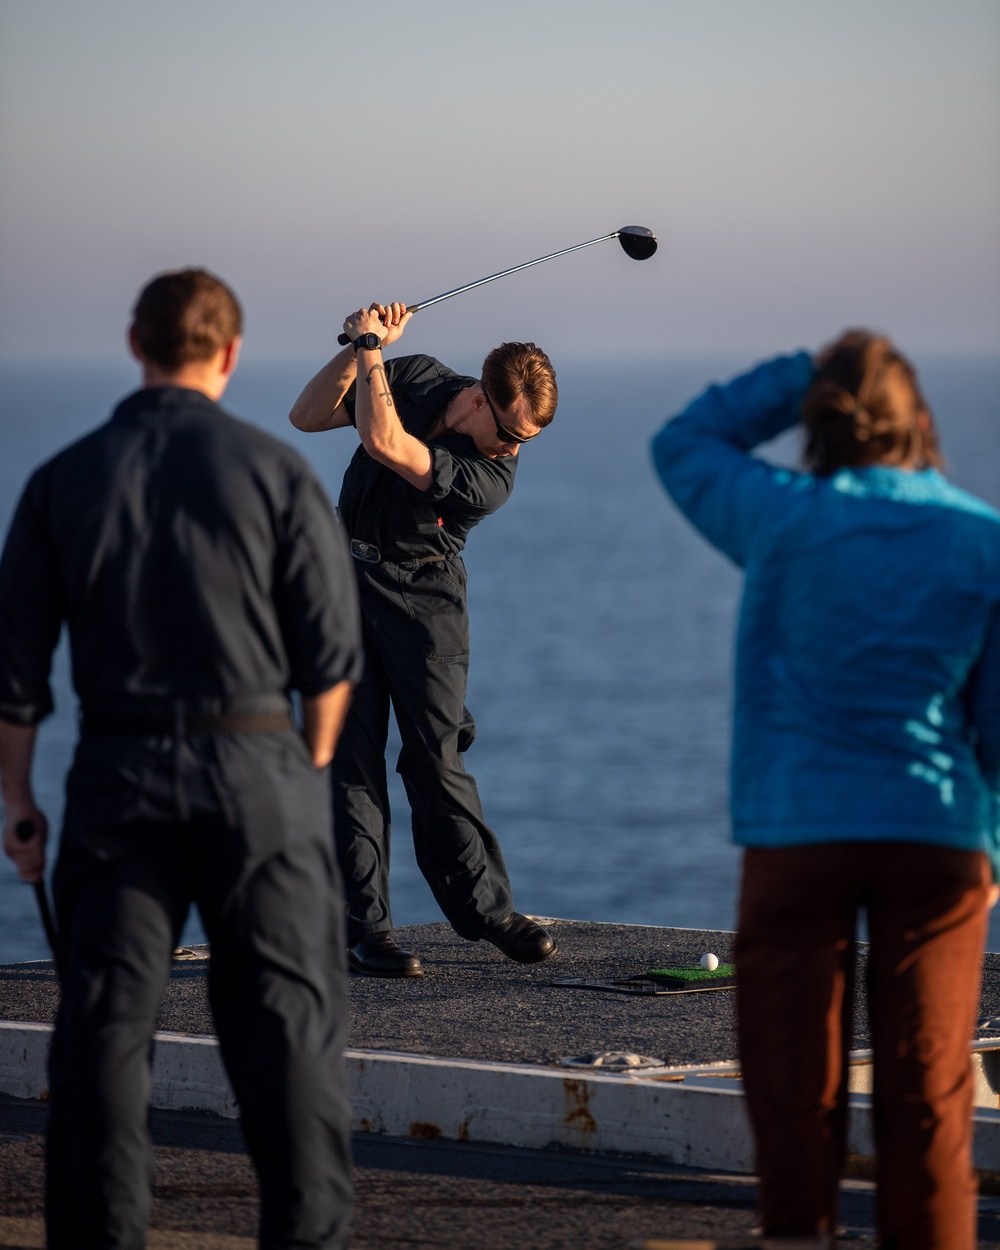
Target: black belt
(368, 553)
(179, 721)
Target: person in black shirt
(200, 570)
(438, 453)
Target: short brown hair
(184, 316)
(515, 371)
(865, 407)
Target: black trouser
(239, 826)
(416, 634)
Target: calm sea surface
(602, 634)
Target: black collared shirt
(193, 557)
(380, 507)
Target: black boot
(377, 955)
(521, 939)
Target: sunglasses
(503, 434)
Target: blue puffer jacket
(868, 655)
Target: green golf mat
(657, 981)
(697, 978)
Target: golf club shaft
(48, 923)
(459, 290)
(504, 272)
(24, 831)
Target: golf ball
(709, 961)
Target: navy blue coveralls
(412, 584)
(198, 565)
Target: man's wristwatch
(370, 342)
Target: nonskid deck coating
(472, 1003)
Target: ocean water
(602, 634)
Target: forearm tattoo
(385, 392)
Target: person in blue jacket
(865, 772)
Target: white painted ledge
(699, 1121)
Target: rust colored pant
(927, 909)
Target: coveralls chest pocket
(423, 519)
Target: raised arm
(321, 404)
(377, 417)
(703, 456)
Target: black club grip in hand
(343, 339)
(24, 831)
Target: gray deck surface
(471, 1004)
(424, 1195)
(475, 1004)
(431, 1195)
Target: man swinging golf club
(438, 453)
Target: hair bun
(834, 406)
(865, 407)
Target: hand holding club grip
(24, 831)
(343, 339)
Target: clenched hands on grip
(386, 320)
(321, 406)
(379, 427)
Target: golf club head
(637, 242)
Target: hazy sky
(806, 165)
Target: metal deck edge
(692, 1123)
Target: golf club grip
(343, 340)
(24, 830)
(48, 924)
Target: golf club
(24, 831)
(636, 241)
